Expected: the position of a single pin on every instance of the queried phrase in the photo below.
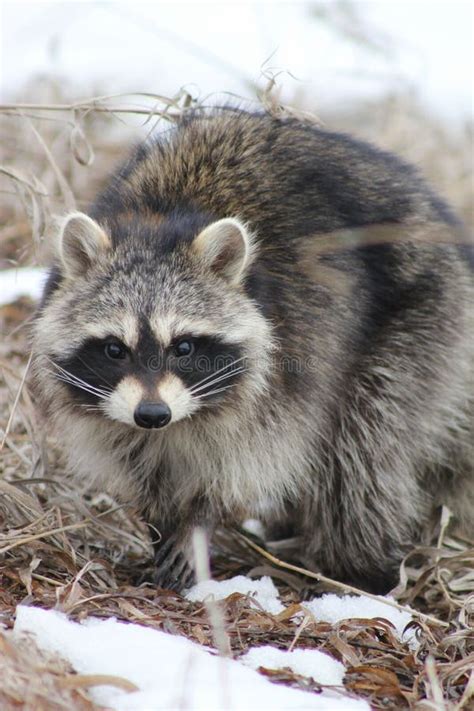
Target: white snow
(27, 281)
(327, 608)
(333, 608)
(170, 672)
(306, 662)
(263, 591)
(253, 525)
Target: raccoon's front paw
(173, 570)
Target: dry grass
(34, 680)
(81, 553)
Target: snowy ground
(171, 672)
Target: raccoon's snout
(152, 414)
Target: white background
(216, 46)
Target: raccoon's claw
(172, 571)
(177, 576)
(164, 550)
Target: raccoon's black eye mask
(97, 367)
(99, 364)
(194, 358)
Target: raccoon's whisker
(73, 379)
(214, 392)
(80, 385)
(76, 378)
(224, 376)
(91, 408)
(212, 375)
(94, 372)
(211, 383)
(91, 392)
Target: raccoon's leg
(369, 505)
(174, 565)
(359, 534)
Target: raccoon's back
(286, 177)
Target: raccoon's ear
(81, 243)
(227, 247)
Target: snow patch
(253, 525)
(28, 281)
(333, 608)
(262, 590)
(171, 672)
(306, 662)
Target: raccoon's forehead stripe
(124, 326)
(162, 328)
(168, 327)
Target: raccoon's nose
(152, 414)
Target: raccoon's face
(149, 329)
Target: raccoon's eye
(184, 348)
(115, 351)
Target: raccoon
(259, 317)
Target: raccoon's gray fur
(301, 305)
